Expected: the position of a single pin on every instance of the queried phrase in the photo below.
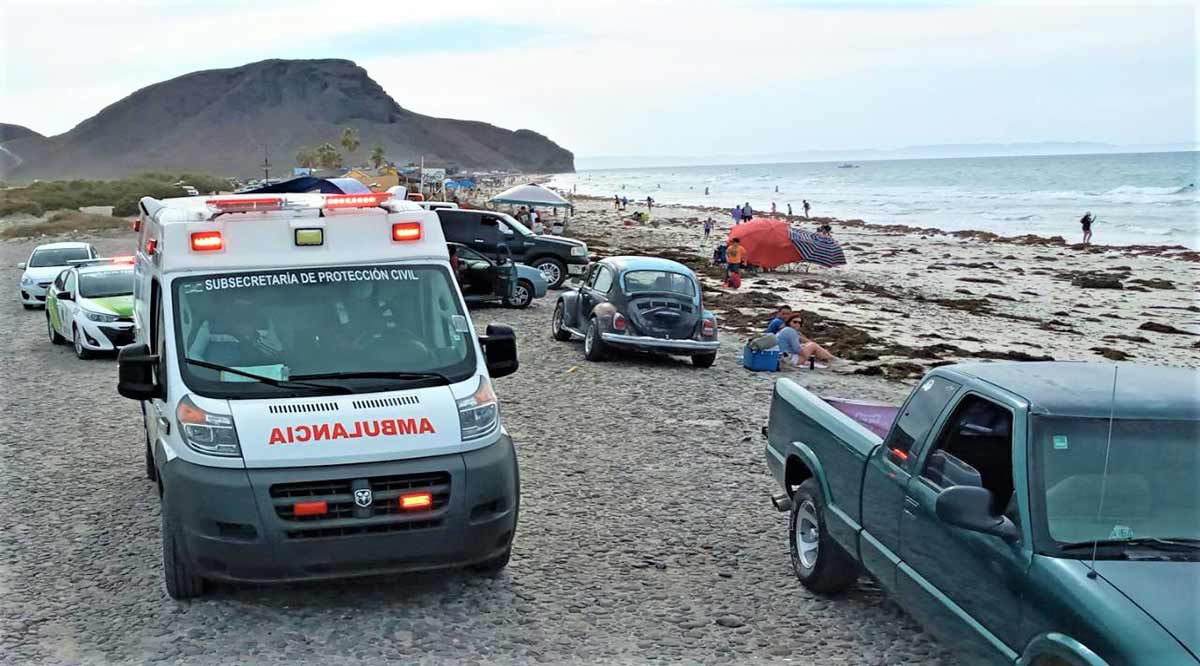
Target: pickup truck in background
(1043, 514)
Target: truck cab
(315, 398)
(495, 235)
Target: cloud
(678, 77)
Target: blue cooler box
(760, 361)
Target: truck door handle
(479, 240)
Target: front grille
(345, 518)
(395, 401)
(118, 337)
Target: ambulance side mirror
(500, 348)
(135, 373)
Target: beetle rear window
(659, 282)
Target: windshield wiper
(280, 383)
(1169, 544)
(377, 374)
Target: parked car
(486, 231)
(90, 305)
(643, 303)
(1029, 513)
(44, 264)
(483, 280)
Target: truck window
(974, 448)
(920, 412)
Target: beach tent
(531, 195)
(771, 243)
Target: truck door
(888, 471)
(518, 246)
(964, 585)
(487, 236)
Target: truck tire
(55, 338)
(704, 360)
(819, 562)
(522, 295)
(557, 330)
(594, 348)
(495, 565)
(182, 582)
(554, 270)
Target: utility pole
(266, 165)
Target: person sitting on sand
(1086, 222)
(780, 319)
(798, 348)
(735, 254)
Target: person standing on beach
(806, 209)
(789, 210)
(747, 212)
(624, 202)
(616, 202)
(708, 227)
(737, 215)
(1086, 222)
(649, 204)
(772, 208)
(705, 191)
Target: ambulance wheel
(594, 348)
(495, 565)
(80, 351)
(557, 330)
(182, 582)
(704, 360)
(522, 295)
(55, 338)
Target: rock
(1097, 282)
(730, 621)
(1162, 328)
(1111, 354)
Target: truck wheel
(495, 565)
(554, 270)
(522, 295)
(594, 348)
(55, 338)
(80, 351)
(820, 563)
(182, 582)
(704, 360)
(557, 330)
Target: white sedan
(90, 305)
(45, 263)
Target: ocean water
(1143, 198)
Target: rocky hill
(218, 121)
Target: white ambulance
(316, 401)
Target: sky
(658, 77)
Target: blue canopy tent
(312, 184)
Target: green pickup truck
(1042, 514)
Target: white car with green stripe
(90, 306)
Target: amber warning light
(403, 232)
(207, 241)
(416, 501)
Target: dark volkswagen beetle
(642, 303)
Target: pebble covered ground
(646, 534)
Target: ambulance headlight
(479, 414)
(100, 316)
(578, 250)
(210, 434)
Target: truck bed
(831, 437)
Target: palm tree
(328, 156)
(306, 158)
(350, 139)
(377, 156)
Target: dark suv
(485, 231)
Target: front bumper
(105, 336)
(233, 529)
(661, 344)
(34, 294)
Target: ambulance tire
(182, 582)
(495, 565)
(81, 352)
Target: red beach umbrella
(767, 241)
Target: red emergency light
(207, 241)
(151, 246)
(416, 501)
(310, 508)
(122, 260)
(403, 232)
(369, 200)
(244, 204)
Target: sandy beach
(910, 299)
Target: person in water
(1086, 222)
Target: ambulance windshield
(367, 320)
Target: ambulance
(316, 401)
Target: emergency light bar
(245, 204)
(99, 261)
(248, 204)
(356, 200)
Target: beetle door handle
(911, 502)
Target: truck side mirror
(135, 373)
(500, 348)
(970, 507)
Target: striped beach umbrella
(817, 248)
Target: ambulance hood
(343, 429)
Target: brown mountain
(218, 121)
